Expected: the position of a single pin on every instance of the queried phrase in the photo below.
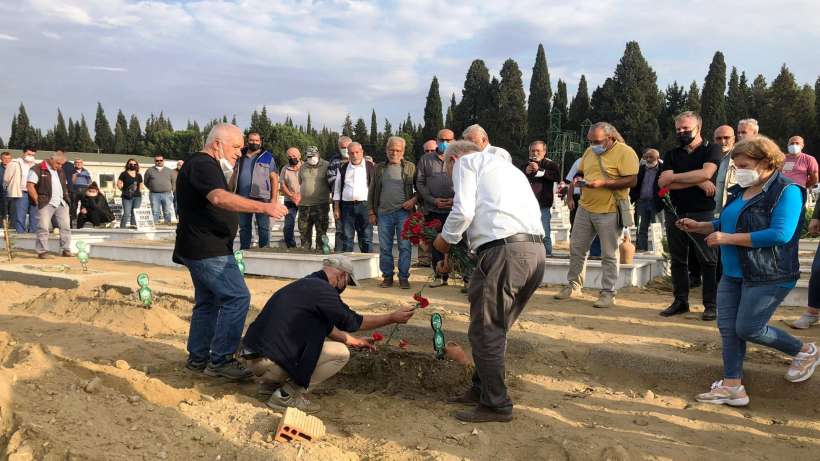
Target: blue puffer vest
(768, 264)
(263, 165)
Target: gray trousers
(505, 278)
(584, 229)
(44, 216)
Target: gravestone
(116, 208)
(145, 218)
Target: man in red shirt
(799, 166)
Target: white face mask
(652, 165)
(29, 159)
(344, 153)
(795, 148)
(313, 161)
(746, 177)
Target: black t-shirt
(692, 199)
(293, 325)
(130, 184)
(204, 231)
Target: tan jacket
(13, 179)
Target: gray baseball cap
(344, 264)
(311, 151)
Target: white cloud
(104, 68)
(8, 37)
(51, 35)
(321, 111)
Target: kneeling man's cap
(344, 264)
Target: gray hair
(460, 148)
(395, 140)
(58, 155)
(649, 149)
(354, 144)
(344, 139)
(474, 129)
(538, 142)
(609, 130)
(689, 114)
(751, 122)
(219, 131)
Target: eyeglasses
(158, 161)
(723, 138)
(428, 151)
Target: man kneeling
(299, 339)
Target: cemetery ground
(87, 373)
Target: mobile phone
(581, 183)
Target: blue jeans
(221, 305)
(743, 313)
(290, 223)
(161, 205)
(390, 227)
(355, 219)
(128, 207)
(23, 207)
(644, 216)
(546, 216)
(246, 231)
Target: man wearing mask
(477, 135)
(14, 179)
(610, 169)
(257, 178)
(350, 199)
(80, 181)
(208, 221)
(47, 188)
(334, 163)
(800, 167)
(160, 183)
(424, 249)
(6, 207)
(289, 186)
(746, 128)
(435, 186)
(688, 171)
(542, 173)
(645, 197)
(314, 206)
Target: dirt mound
(411, 375)
(109, 309)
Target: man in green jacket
(314, 208)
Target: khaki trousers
(333, 358)
(584, 229)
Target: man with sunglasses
(160, 183)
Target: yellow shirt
(619, 161)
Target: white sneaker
(723, 395)
(803, 365)
(805, 321)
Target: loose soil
(90, 374)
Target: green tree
(360, 133)
(490, 118)
(603, 102)
(22, 133)
(121, 134)
(560, 102)
(758, 98)
(84, 141)
(713, 101)
(637, 102)
(103, 137)
(374, 132)
(675, 99)
(2, 145)
(693, 97)
(61, 139)
(474, 97)
(788, 110)
(451, 111)
(73, 136)
(14, 142)
(134, 142)
(538, 104)
(737, 98)
(347, 127)
(580, 107)
(511, 131)
(433, 120)
(816, 145)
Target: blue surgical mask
(598, 148)
(442, 146)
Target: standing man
(435, 186)
(335, 162)
(14, 179)
(174, 176)
(80, 181)
(746, 128)
(314, 206)
(542, 173)
(688, 171)
(645, 197)
(477, 135)
(160, 183)
(48, 191)
(6, 206)
(800, 167)
(68, 172)
(610, 168)
(495, 207)
(724, 137)
(424, 249)
(351, 188)
(390, 202)
(257, 178)
(208, 220)
(289, 186)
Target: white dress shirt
(499, 151)
(355, 183)
(493, 200)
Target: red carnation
(422, 301)
(434, 224)
(403, 343)
(416, 229)
(663, 192)
(415, 240)
(377, 336)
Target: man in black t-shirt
(299, 339)
(688, 171)
(208, 220)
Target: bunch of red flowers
(421, 303)
(417, 230)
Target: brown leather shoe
(44, 255)
(387, 282)
(66, 254)
(469, 397)
(404, 283)
(482, 414)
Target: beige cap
(344, 264)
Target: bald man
(800, 167)
(289, 185)
(208, 221)
(724, 137)
(478, 136)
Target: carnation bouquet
(416, 230)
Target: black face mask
(132, 167)
(685, 138)
(293, 161)
(254, 147)
(340, 290)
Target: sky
(199, 59)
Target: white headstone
(145, 218)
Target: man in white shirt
(14, 180)
(48, 190)
(350, 191)
(478, 136)
(497, 210)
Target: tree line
(630, 99)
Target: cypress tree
(103, 137)
(637, 103)
(2, 145)
(360, 133)
(14, 141)
(580, 108)
(693, 97)
(25, 135)
(603, 102)
(474, 96)
(560, 101)
(134, 140)
(675, 99)
(451, 111)
(785, 112)
(511, 130)
(374, 131)
(309, 128)
(737, 99)
(121, 134)
(538, 103)
(84, 142)
(71, 144)
(433, 120)
(61, 139)
(490, 118)
(347, 128)
(712, 101)
(388, 129)
(758, 98)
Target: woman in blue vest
(759, 234)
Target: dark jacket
(96, 211)
(767, 264)
(635, 192)
(408, 175)
(542, 186)
(44, 184)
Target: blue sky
(199, 59)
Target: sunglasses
(427, 151)
(723, 138)
(158, 161)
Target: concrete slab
(637, 274)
